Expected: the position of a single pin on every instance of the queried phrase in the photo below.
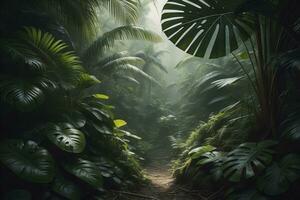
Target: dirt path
(162, 186)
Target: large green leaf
(75, 118)
(279, 176)
(27, 160)
(25, 93)
(247, 159)
(66, 137)
(86, 171)
(66, 188)
(215, 160)
(199, 151)
(206, 27)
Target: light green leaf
(199, 151)
(101, 96)
(119, 123)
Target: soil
(162, 184)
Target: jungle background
(148, 99)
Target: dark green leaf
(66, 137)
(207, 27)
(248, 159)
(85, 170)
(27, 160)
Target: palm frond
(74, 13)
(110, 58)
(108, 39)
(221, 83)
(124, 11)
(128, 79)
(43, 47)
(136, 61)
(151, 60)
(131, 69)
(190, 60)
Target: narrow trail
(162, 185)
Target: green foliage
(214, 29)
(59, 148)
(280, 175)
(27, 160)
(66, 188)
(206, 28)
(107, 40)
(86, 171)
(66, 137)
(248, 159)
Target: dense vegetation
(82, 109)
(248, 145)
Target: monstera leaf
(85, 170)
(279, 176)
(66, 188)
(206, 27)
(247, 159)
(27, 160)
(66, 137)
(215, 160)
(75, 118)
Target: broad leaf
(206, 27)
(27, 160)
(199, 151)
(278, 177)
(66, 188)
(75, 118)
(66, 137)
(248, 159)
(85, 170)
(215, 160)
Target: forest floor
(161, 183)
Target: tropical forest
(150, 100)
